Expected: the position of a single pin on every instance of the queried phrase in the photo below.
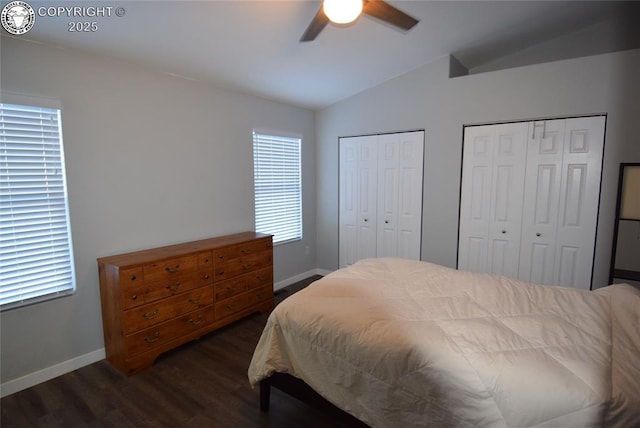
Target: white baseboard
(49, 373)
(286, 282)
(32, 379)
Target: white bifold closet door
(380, 194)
(529, 199)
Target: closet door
(491, 198)
(579, 200)
(400, 161)
(380, 194)
(561, 208)
(358, 183)
(539, 224)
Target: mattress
(402, 343)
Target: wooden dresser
(154, 300)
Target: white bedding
(400, 343)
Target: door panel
(400, 195)
(348, 198)
(507, 196)
(579, 199)
(539, 271)
(357, 199)
(568, 265)
(540, 210)
(388, 185)
(475, 198)
(367, 189)
(491, 204)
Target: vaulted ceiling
(253, 46)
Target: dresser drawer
(231, 305)
(131, 278)
(167, 270)
(151, 314)
(205, 260)
(241, 250)
(231, 287)
(205, 277)
(260, 277)
(261, 294)
(242, 265)
(149, 292)
(164, 332)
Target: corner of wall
(456, 68)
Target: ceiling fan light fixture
(342, 11)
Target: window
(278, 186)
(36, 257)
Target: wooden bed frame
(299, 389)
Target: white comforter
(400, 343)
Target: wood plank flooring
(201, 384)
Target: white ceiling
(252, 46)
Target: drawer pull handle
(221, 272)
(133, 277)
(221, 256)
(246, 266)
(230, 287)
(134, 297)
(172, 269)
(195, 301)
(153, 338)
(232, 307)
(260, 277)
(196, 321)
(206, 276)
(173, 287)
(151, 315)
(243, 251)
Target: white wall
(151, 160)
(427, 98)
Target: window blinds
(36, 256)
(278, 186)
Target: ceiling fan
(353, 8)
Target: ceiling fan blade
(387, 13)
(317, 24)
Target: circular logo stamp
(17, 17)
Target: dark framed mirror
(625, 253)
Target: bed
(403, 343)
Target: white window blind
(36, 256)
(278, 186)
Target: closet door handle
(538, 233)
(504, 231)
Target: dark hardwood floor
(201, 384)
